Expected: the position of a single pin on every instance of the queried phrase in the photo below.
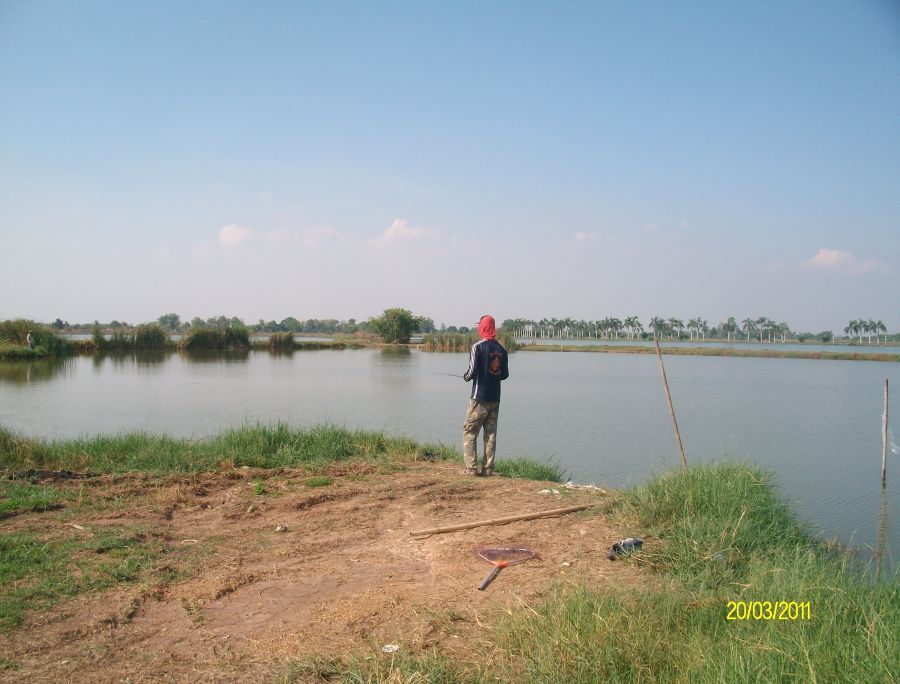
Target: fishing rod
(452, 375)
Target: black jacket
(488, 365)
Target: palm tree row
(866, 327)
(568, 328)
(762, 329)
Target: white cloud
(399, 230)
(581, 236)
(233, 234)
(839, 260)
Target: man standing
(488, 366)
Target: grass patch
(16, 352)
(529, 469)
(36, 573)
(7, 664)
(725, 511)
(318, 481)
(21, 497)
(233, 337)
(271, 446)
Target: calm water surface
(816, 424)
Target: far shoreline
(714, 351)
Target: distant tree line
(762, 329)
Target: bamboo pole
(884, 434)
(662, 369)
(500, 521)
(881, 534)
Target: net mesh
(507, 555)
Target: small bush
(281, 341)
(234, 337)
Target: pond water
(603, 417)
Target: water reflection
(24, 372)
(215, 356)
(122, 359)
(395, 354)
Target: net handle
(488, 578)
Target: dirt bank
(227, 597)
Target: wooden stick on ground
(500, 521)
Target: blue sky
(332, 159)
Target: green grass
(318, 481)
(36, 573)
(720, 533)
(15, 352)
(21, 497)
(261, 446)
(529, 469)
(236, 337)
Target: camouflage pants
(481, 414)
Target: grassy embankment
(715, 351)
(717, 533)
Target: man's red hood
(487, 328)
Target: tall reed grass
(281, 341)
(143, 337)
(14, 340)
(462, 342)
(234, 337)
